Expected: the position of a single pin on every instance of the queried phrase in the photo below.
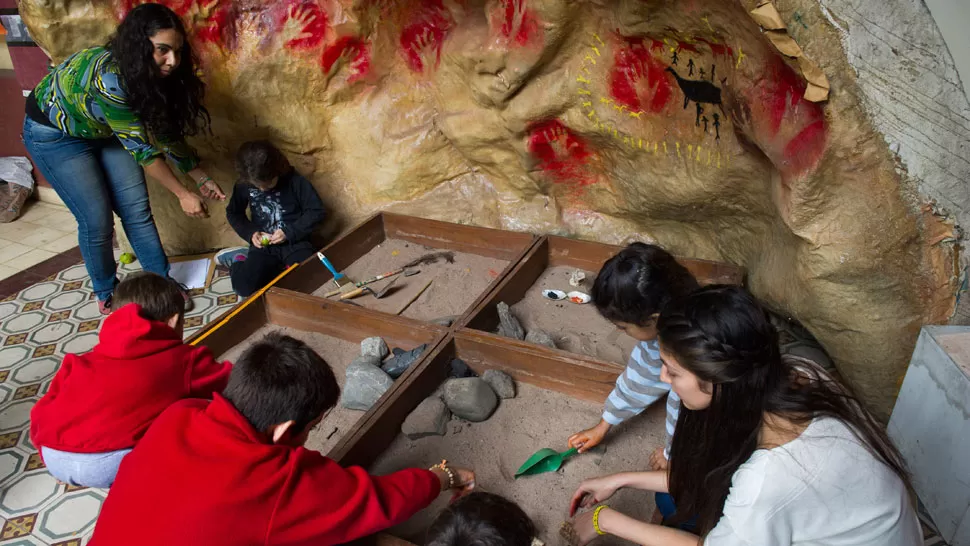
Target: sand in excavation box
(333, 331)
(477, 258)
(555, 397)
(575, 328)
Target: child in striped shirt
(629, 291)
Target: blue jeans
(665, 503)
(95, 177)
(84, 469)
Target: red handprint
(206, 20)
(303, 25)
(350, 51)
(421, 40)
(637, 78)
(519, 23)
(561, 153)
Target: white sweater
(822, 489)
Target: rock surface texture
(672, 122)
(470, 398)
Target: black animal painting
(699, 91)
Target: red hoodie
(105, 400)
(203, 476)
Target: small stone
(470, 398)
(374, 346)
(577, 278)
(460, 369)
(399, 363)
(364, 386)
(366, 361)
(430, 418)
(445, 321)
(540, 337)
(509, 325)
(501, 383)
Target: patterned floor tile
(18, 527)
(37, 327)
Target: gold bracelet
(596, 519)
(443, 466)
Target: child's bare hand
(589, 438)
(466, 482)
(258, 238)
(277, 237)
(657, 460)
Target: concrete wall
(912, 87)
(953, 18)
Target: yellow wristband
(596, 519)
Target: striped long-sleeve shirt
(640, 386)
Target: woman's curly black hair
(168, 106)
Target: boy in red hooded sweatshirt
(234, 472)
(100, 403)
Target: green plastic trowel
(544, 460)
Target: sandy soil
(453, 289)
(575, 328)
(495, 449)
(338, 353)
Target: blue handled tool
(339, 279)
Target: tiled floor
(38, 325)
(42, 231)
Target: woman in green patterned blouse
(106, 113)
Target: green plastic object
(544, 460)
(265, 241)
(127, 258)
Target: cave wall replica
(682, 123)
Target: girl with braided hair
(768, 451)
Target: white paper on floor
(191, 273)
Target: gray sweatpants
(84, 469)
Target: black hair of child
(160, 298)
(482, 519)
(258, 161)
(279, 379)
(637, 282)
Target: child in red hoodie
(100, 404)
(234, 472)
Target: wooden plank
(575, 375)
(493, 243)
(511, 288)
(310, 313)
(342, 252)
(382, 423)
(591, 256)
(235, 331)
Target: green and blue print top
(84, 98)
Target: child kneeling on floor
(630, 291)
(283, 211)
(234, 470)
(482, 519)
(100, 403)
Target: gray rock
(430, 418)
(460, 369)
(364, 386)
(508, 325)
(540, 337)
(373, 346)
(501, 383)
(399, 363)
(365, 361)
(470, 398)
(397, 351)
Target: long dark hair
(723, 336)
(637, 282)
(168, 106)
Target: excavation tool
(341, 281)
(544, 460)
(426, 259)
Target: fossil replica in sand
(675, 122)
